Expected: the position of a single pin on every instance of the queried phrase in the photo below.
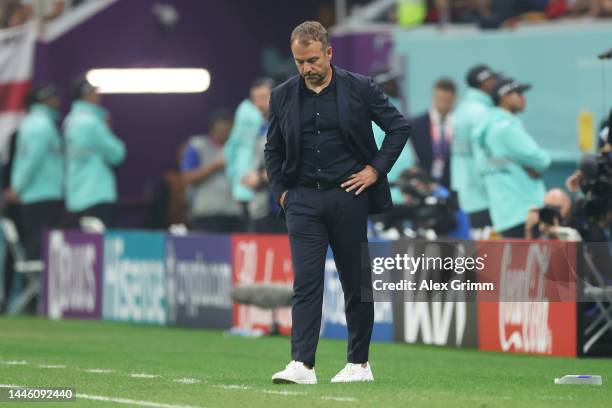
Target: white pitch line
(14, 362)
(274, 392)
(284, 392)
(133, 402)
(51, 366)
(187, 380)
(143, 375)
(341, 399)
(234, 387)
(141, 403)
(99, 371)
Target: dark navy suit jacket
(360, 101)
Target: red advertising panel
(261, 259)
(536, 308)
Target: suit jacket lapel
(293, 115)
(295, 111)
(343, 98)
(343, 95)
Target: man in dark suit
(432, 133)
(327, 174)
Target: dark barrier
(443, 318)
(199, 277)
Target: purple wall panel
(362, 52)
(226, 37)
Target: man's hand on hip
(282, 199)
(362, 180)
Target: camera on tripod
(596, 181)
(427, 206)
(593, 211)
(550, 215)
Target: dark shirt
(324, 154)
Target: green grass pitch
(201, 368)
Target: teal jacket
(92, 151)
(240, 147)
(404, 161)
(507, 149)
(38, 164)
(465, 179)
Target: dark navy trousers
(316, 219)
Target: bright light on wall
(149, 80)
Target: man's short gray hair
(310, 31)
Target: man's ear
(329, 52)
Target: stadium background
(558, 57)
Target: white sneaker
(354, 373)
(295, 373)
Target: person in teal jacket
(511, 161)
(249, 119)
(469, 115)
(37, 173)
(389, 84)
(92, 151)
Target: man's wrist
(376, 172)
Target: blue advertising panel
(333, 322)
(134, 277)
